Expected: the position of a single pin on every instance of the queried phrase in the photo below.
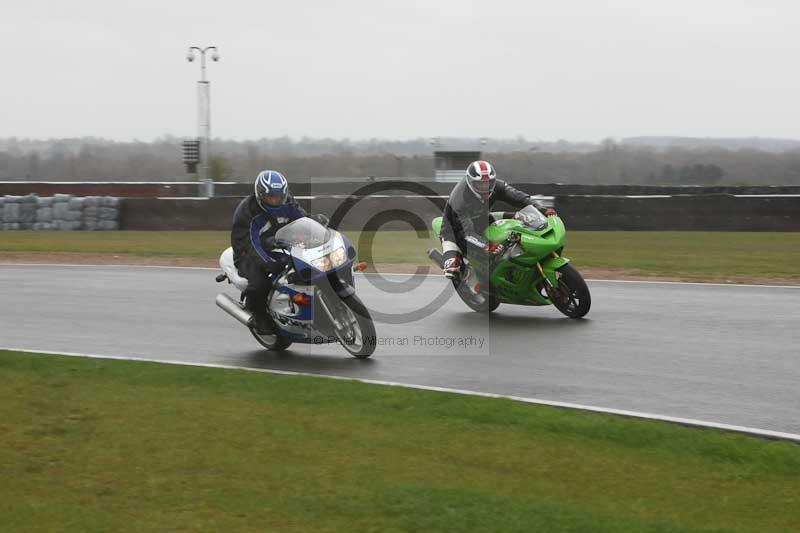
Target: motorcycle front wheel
(352, 325)
(571, 297)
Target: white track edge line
(412, 274)
(765, 433)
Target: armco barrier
(694, 213)
(681, 213)
(705, 212)
(177, 214)
(319, 187)
(217, 213)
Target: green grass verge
(694, 255)
(101, 445)
(198, 244)
(690, 255)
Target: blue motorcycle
(313, 299)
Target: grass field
(100, 445)
(712, 256)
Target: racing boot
(452, 265)
(255, 302)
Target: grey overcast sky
(578, 70)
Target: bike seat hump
(436, 224)
(226, 263)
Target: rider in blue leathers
(255, 222)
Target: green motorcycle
(531, 271)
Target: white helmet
(481, 178)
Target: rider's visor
(272, 198)
(483, 186)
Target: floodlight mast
(203, 106)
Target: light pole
(400, 169)
(203, 107)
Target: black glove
(270, 243)
(495, 249)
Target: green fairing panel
(559, 231)
(515, 284)
(437, 225)
(515, 280)
(536, 243)
(498, 232)
(554, 263)
(549, 266)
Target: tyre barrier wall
(674, 213)
(98, 188)
(59, 212)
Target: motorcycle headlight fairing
(335, 259)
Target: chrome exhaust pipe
(233, 308)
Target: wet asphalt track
(725, 354)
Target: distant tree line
(696, 174)
(517, 160)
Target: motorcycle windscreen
(533, 218)
(315, 245)
(304, 233)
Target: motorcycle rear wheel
(486, 304)
(572, 296)
(272, 342)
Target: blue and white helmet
(271, 189)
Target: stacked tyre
(60, 212)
